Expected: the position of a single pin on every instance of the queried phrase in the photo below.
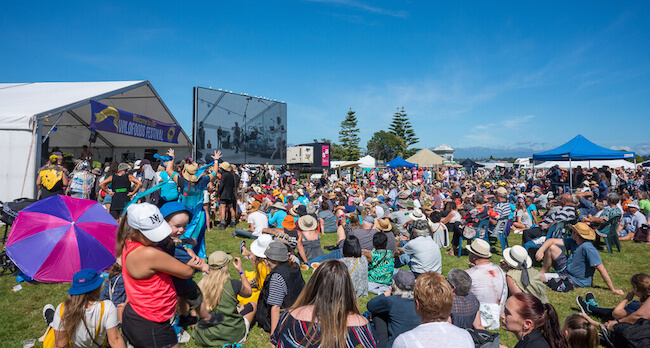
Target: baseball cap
(146, 218)
(218, 259)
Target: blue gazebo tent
(400, 162)
(580, 148)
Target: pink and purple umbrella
(58, 236)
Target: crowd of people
(391, 227)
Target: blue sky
(500, 74)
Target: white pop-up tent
(367, 162)
(58, 114)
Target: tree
(385, 146)
(401, 126)
(349, 138)
(336, 154)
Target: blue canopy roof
(579, 148)
(400, 162)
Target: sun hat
(218, 259)
(122, 166)
(501, 191)
(369, 219)
(276, 192)
(480, 248)
(279, 205)
(225, 166)
(633, 204)
(516, 256)
(410, 204)
(298, 210)
(417, 214)
(260, 244)
(584, 230)
(421, 227)
(170, 208)
(401, 203)
(404, 279)
(189, 172)
(254, 207)
(289, 223)
(137, 164)
(310, 208)
(146, 218)
(593, 183)
(307, 223)
(383, 225)
(97, 171)
(277, 251)
(85, 281)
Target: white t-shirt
(425, 255)
(437, 334)
(259, 221)
(81, 338)
(487, 283)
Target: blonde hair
(212, 286)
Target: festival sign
(109, 119)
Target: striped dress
(292, 332)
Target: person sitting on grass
(578, 269)
(326, 314)
(393, 312)
(465, 311)
(380, 264)
(520, 276)
(579, 332)
(257, 221)
(82, 320)
(221, 294)
(357, 265)
(640, 288)
(434, 298)
(535, 324)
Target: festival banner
(109, 119)
(325, 156)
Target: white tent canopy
(29, 111)
(367, 162)
(588, 164)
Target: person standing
(121, 192)
(52, 178)
(226, 194)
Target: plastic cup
(29, 343)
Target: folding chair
(608, 231)
(483, 224)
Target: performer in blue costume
(192, 185)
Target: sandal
(242, 245)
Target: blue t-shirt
(168, 191)
(529, 210)
(401, 313)
(582, 262)
(277, 218)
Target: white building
(445, 151)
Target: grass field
(21, 317)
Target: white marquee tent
(588, 164)
(59, 113)
(367, 162)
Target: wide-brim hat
(584, 230)
(279, 205)
(189, 172)
(634, 204)
(258, 247)
(255, 206)
(383, 225)
(85, 281)
(122, 166)
(225, 166)
(410, 204)
(307, 223)
(277, 251)
(417, 214)
(289, 223)
(516, 256)
(480, 248)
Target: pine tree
(349, 138)
(401, 126)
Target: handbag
(469, 232)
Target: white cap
(146, 218)
(136, 165)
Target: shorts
(192, 295)
(116, 214)
(226, 201)
(560, 265)
(145, 333)
(206, 197)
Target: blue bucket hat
(85, 281)
(170, 208)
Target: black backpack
(635, 335)
(484, 338)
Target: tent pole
(570, 177)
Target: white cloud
(365, 7)
(624, 148)
(515, 122)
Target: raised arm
(170, 166)
(215, 165)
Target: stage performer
(192, 185)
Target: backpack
(50, 341)
(484, 338)
(50, 176)
(635, 335)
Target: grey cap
(404, 279)
(369, 219)
(277, 251)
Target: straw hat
(383, 225)
(480, 248)
(279, 205)
(254, 207)
(584, 230)
(417, 214)
(307, 223)
(225, 166)
(189, 172)
(516, 256)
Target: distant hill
(485, 152)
